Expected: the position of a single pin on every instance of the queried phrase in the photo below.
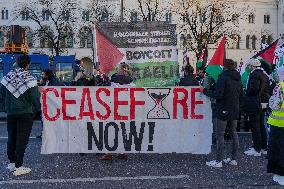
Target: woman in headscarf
(276, 139)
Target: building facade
(265, 24)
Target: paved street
(140, 171)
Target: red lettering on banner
(194, 102)
(44, 104)
(66, 102)
(105, 105)
(182, 102)
(118, 103)
(90, 113)
(133, 102)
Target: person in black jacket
(188, 79)
(227, 93)
(259, 86)
(48, 78)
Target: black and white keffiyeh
(18, 81)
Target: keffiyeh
(18, 81)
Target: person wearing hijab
(276, 139)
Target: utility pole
(121, 10)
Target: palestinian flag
(267, 54)
(215, 66)
(200, 60)
(107, 53)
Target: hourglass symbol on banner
(158, 95)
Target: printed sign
(150, 48)
(125, 120)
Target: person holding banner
(19, 92)
(122, 78)
(188, 79)
(227, 94)
(276, 140)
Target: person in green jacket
(19, 92)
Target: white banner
(125, 120)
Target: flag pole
(95, 54)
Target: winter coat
(258, 84)
(228, 91)
(188, 80)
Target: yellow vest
(277, 117)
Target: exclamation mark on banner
(151, 136)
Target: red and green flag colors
(215, 66)
(108, 54)
(201, 58)
(267, 54)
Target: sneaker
(264, 152)
(249, 150)
(21, 171)
(214, 163)
(230, 162)
(279, 179)
(252, 152)
(11, 167)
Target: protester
(227, 94)
(48, 78)
(122, 78)
(276, 139)
(188, 79)
(19, 92)
(200, 76)
(209, 84)
(257, 92)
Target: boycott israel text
(132, 120)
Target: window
(269, 40)
(248, 42)
(90, 40)
(251, 19)
(235, 18)
(45, 15)
(263, 39)
(2, 39)
(45, 38)
(266, 19)
(169, 17)
(86, 38)
(134, 17)
(5, 14)
(70, 41)
(25, 15)
(283, 17)
(64, 72)
(86, 15)
(202, 18)
(105, 15)
(30, 38)
(253, 42)
(66, 15)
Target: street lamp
(121, 10)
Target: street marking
(93, 179)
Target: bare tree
(206, 21)
(54, 18)
(149, 10)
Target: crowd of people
(259, 99)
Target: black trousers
(19, 129)
(259, 135)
